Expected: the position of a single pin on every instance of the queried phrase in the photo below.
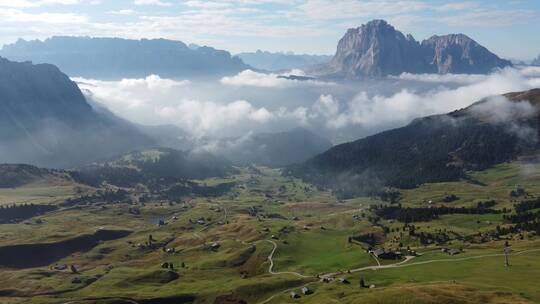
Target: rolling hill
(432, 149)
(157, 165)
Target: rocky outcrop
(459, 54)
(377, 49)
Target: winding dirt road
(403, 263)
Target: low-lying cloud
(340, 112)
(446, 78)
(249, 78)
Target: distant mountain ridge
(282, 61)
(536, 61)
(115, 58)
(45, 120)
(377, 49)
(432, 149)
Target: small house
(60, 267)
(294, 295)
(344, 281)
(215, 246)
(453, 251)
(386, 254)
(306, 290)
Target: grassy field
(221, 246)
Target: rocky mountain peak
(459, 54)
(374, 49)
(377, 49)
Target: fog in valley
(251, 102)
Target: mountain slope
(45, 120)
(156, 165)
(432, 149)
(113, 58)
(12, 176)
(274, 149)
(377, 49)
(281, 61)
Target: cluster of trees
(421, 214)
(108, 196)
(368, 238)
(426, 238)
(450, 198)
(96, 175)
(391, 195)
(519, 191)
(487, 205)
(187, 188)
(525, 206)
(525, 218)
(15, 213)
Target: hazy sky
(509, 28)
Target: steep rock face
(45, 120)
(114, 58)
(377, 49)
(459, 54)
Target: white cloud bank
(249, 78)
(163, 101)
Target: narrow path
(271, 267)
(402, 264)
(102, 298)
(396, 265)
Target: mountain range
(46, 120)
(116, 58)
(282, 61)
(431, 149)
(377, 49)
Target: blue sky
(509, 28)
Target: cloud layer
(340, 112)
(249, 78)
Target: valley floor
(267, 237)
